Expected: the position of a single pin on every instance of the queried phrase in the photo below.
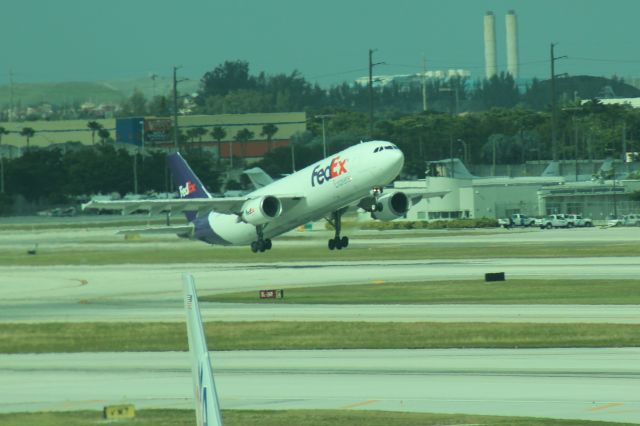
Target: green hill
(77, 92)
(67, 93)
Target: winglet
(207, 404)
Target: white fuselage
(325, 186)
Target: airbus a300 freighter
(352, 178)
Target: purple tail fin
(188, 184)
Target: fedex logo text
(187, 188)
(336, 168)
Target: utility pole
(10, 117)
(175, 108)
(324, 137)
(424, 83)
(371, 65)
(554, 108)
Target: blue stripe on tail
(188, 184)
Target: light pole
(464, 148)
(293, 156)
(324, 138)
(613, 188)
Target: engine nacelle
(393, 206)
(261, 210)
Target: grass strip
(71, 224)
(521, 291)
(288, 418)
(135, 253)
(273, 335)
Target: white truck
(517, 219)
(578, 221)
(553, 221)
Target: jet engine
(391, 206)
(261, 210)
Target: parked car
(517, 219)
(578, 220)
(631, 219)
(613, 220)
(553, 221)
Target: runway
(589, 384)
(152, 293)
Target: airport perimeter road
(148, 293)
(589, 384)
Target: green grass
(520, 291)
(196, 252)
(71, 223)
(118, 337)
(287, 418)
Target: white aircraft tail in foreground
(207, 404)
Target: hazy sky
(326, 40)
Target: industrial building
(155, 132)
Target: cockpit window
(382, 148)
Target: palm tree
(28, 133)
(103, 134)
(268, 130)
(94, 126)
(191, 135)
(3, 131)
(242, 136)
(199, 132)
(218, 134)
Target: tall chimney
(490, 64)
(512, 43)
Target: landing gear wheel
(254, 246)
(261, 246)
(337, 242)
(267, 244)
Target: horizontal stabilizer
(259, 178)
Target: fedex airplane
(204, 387)
(352, 178)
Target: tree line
(230, 88)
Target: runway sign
(494, 276)
(113, 412)
(271, 294)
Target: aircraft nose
(399, 160)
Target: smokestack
(491, 66)
(512, 43)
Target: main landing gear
(337, 242)
(261, 244)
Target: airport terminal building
(476, 197)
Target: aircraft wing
(228, 205)
(207, 403)
(414, 195)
